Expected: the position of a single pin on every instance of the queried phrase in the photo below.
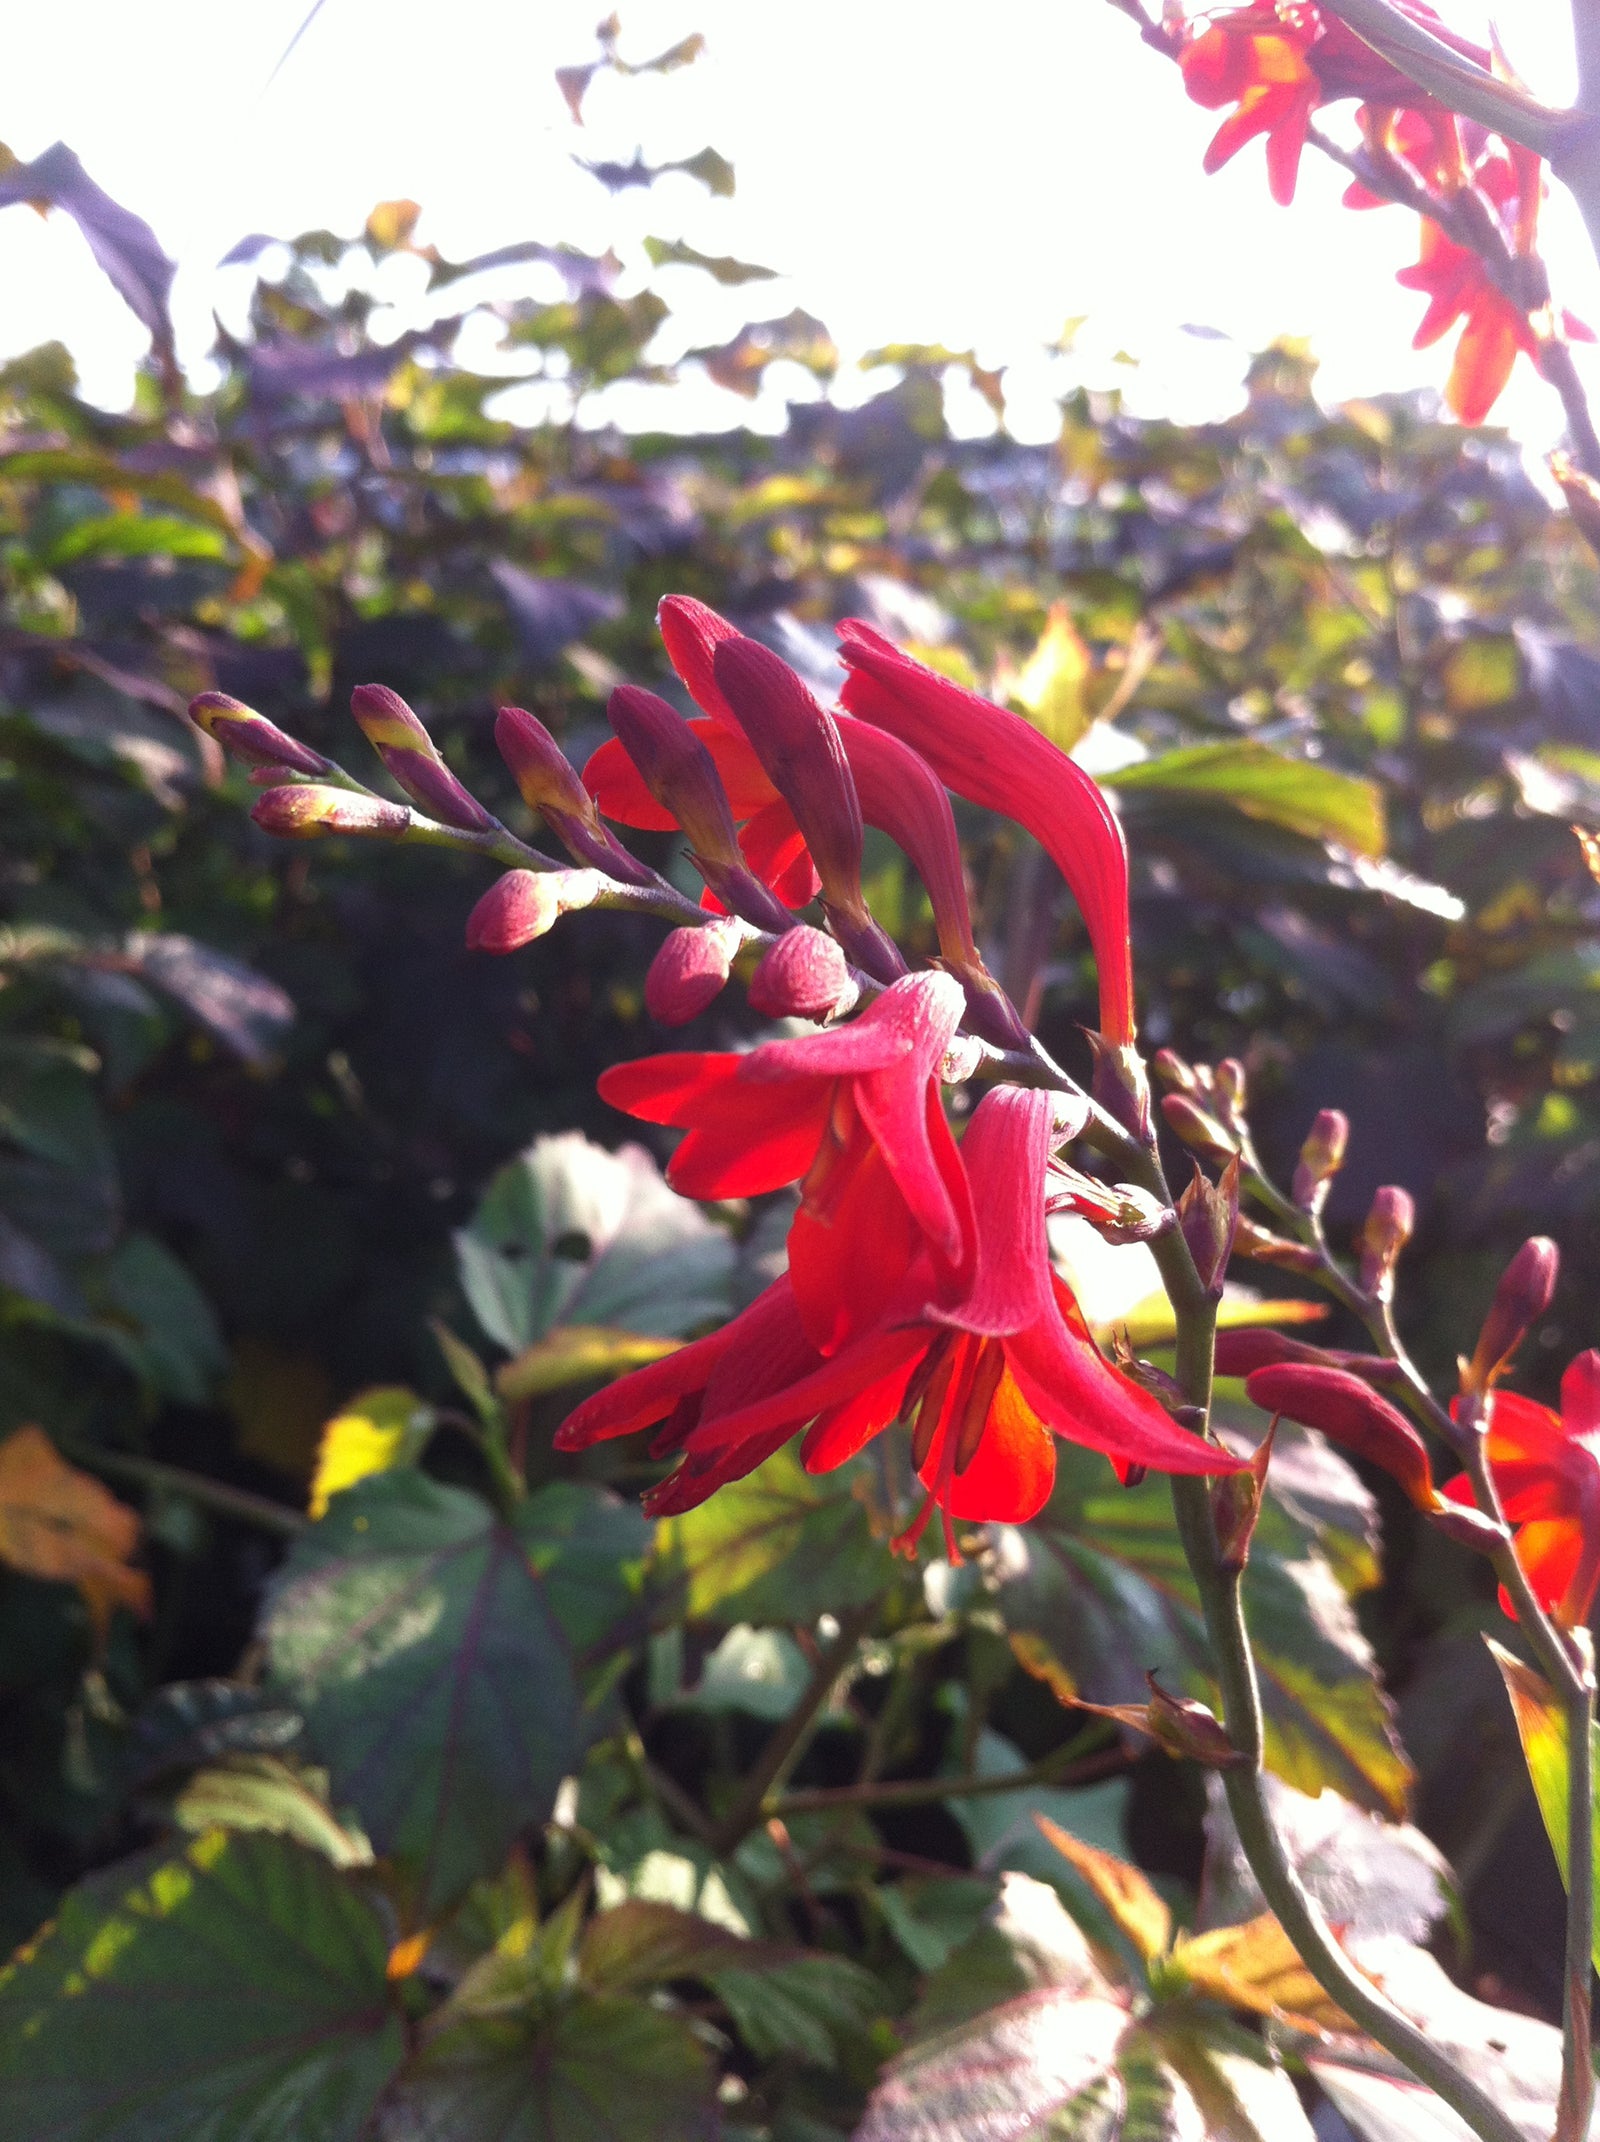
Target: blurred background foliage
(1340, 666)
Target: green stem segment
(1222, 1606)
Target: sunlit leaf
(1312, 800)
(264, 1792)
(1542, 1729)
(1135, 1908)
(234, 1988)
(781, 1545)
(577, 1353)
(1257, 1966)
(377, 1429)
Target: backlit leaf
(1542, 1729)
(232, 1991)
(781, 1545)
(1134, 1906)
(1315, 801)
(263, 1792)
(378, 1429)
(577, 1353)
(1257, 1966)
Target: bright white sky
(919, 169)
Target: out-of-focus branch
(1471, 90)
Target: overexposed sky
(918, 169)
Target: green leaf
(1301, 797)
(571, 1234)
(577, 1353)
(159, 1321)
(802, 2006)
(263, 1792)
(1542, 1729)
(230, 1992)
(641, 1943)
(677, 253)
(782, 1545)
(1096, 1592)
(414, 1631)
(589, 1550)
(135, 535)
(587, 2068)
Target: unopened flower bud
(251, 738)
(525, 903)
(1189, 1730)
(682, 776)
(1350, 1413)
(407, 750)
(1321, 1158)
(1242, 1352)
(1388, 1227)
(1170, 1068)
(1119, 1084)
(689, 971)
(307, 812)
(549, 784)
(691, 632)
(803, 976)
(1208, 1213)
(1200, 1131)
(1522, 1297)
(1232, 1091)
(803, 756)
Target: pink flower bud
(691, 634)
(1522, 1297)
(1388, 1227)
(550, 785)
(525, 903)
(803, 976)
(1321, 1158)
(304, 812)
(251, 738)
(407, 750)
(689, 971)
(682, 776)
(1198, 1130)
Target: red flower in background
(854, 1116)
(1547, 1469)
(997, 759)
(984, 1384)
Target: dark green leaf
(230, 1992)
(414, 1632)
(1301, 797)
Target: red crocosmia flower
(997, 759)
(1547, 1469)
(854, 1116)
(1277, 62)
(985, 1384)
(773, 845)
(1459, 287)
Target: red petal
(1550, 1551)
(846, 1269)
(913, 1023)
(1580, 1395)
(997, 759)
(1484, 357)
(1013, 1470)
(902, 796)
(1005, 1152)
(871, 1360)
(673, 1089)
(775, 848)
(749, 790)
(1519, 1428)
(618, 788)
(837, 1435)
(743, 1139)
(690, 632)
(1077, 1394)
(648, 1395)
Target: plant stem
(1222, 1605)
(212, 1494)
(1577, 2065)
(1057, 1769)
(749, 1806)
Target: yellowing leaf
(1257, 1966)
(1135, 1907)
(578, 1353)
(379, 1429)
(1052, 685)
(57, 1522)
(1151, 1322)
(1542, 1729)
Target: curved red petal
(871, 1360)
(775, 848)
(757, 1140)
(619, 790)
(690, 632)
(1483, 360)
(1012, 1471)
(1083, 1399)
(1580, 1394)
(912, 1023)
(648, 1395)
(847, 1268)
(997, 759)
(837, 1435)
(672, 1089)
(1005, 1152)
(1550, 1550)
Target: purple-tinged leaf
(123, 244)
